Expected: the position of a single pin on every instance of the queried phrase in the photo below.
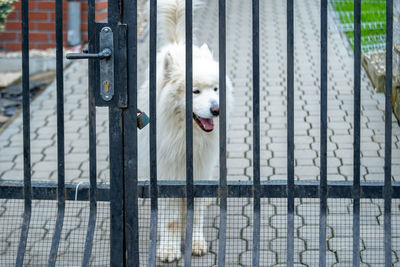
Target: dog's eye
(196, 92)
(215, 89)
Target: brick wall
(42, 24)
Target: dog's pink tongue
(208, 124)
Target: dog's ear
(205, 51)
(204, 48)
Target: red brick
(45, 26)
(46, 5)
(50, 5)
(17, 5)
(38, 15)
(100, 6)
(84, 16)
(53, 36)
(84, 26)
(12, 46)
(13, 25)
(45, 46)
(13, 15)
(84, 37)
(8, 36)
(38, 36)
(84, 6)
(53, 16)
(101, 16)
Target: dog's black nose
(215, 110)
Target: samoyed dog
(171, 150)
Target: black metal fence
(124, 228)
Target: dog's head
(205, 89)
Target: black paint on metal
(27, 188)
(290, 133)
(356, 144)
(256, 133)
(130, 137)
(124, 190)
(116, 186)
(171, 189)
(116, 141)
(92, 139)
(153, 132)
(222, 133)
(189, 134)
(324, 127)
(121, 67)
(387, 190)
(60, 136)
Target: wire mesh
(371, 232)
(340, 232)
(71, 248)
(101, 242)
(373, 24)
(396, 232)
(11, 212)
(307, 232)
(41, 232)
(239, 233)
(273, 232)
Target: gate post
(131, 233)
(116, 137)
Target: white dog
(171, 150)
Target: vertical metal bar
(116, 185)
(130, 133)
(387, 190)
(26, 135)
(356, 145)
(60, 136)
(256, 133)
(116, 120)
(290, 133)
(153, 132)
(114, 13)
(92, 139)
(222, 133)
(323, 189)
(189, 134)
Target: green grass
(373, 21)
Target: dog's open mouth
(206, 125)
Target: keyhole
(106, 86)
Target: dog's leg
(170, 224)
(199, 244)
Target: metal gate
(112, 55)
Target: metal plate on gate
(106, 65)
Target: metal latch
(106, 62)
(142, 119)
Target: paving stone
(267, 258)
(311, 258)
(234, 221)
(374, 257)
(267, 234)
(273, 136)
(280, 243)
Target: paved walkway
(273, 150)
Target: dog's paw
(169, 253)
(199, 247)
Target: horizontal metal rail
(170, 189)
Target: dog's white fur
(171, 147)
